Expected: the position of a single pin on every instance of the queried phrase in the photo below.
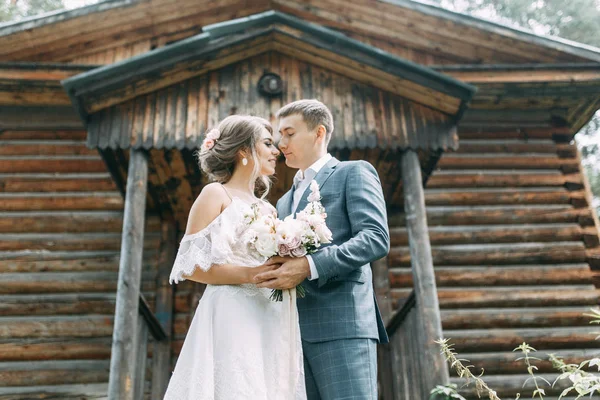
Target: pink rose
(283, 250)
(208, 144)
(293, 243)
(299, 252)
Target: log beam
(124, 345)
(422, 267)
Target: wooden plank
(67, 222)
(500, 275)
(494, 234)
(450, 197)
(507, 254)
(61, 201)
(508, 339)
(501, 214)
(39, 118)
(500, 318)
(464, 161)
(46, 164)
(64, 282)
(509, 362)
(56, 183)
(53, 372)
(468, 179)
(56, 304)
(57, 349)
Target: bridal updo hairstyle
(220, 153)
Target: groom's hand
(292, 271)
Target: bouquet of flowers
(269, 236)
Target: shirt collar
(313, 170)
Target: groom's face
(297, 142)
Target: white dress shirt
(302, 182)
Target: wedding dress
(240, 344)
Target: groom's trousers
(341, 369)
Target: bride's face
(266, 153)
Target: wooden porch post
(125, 336)
(428, 310)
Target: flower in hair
(211, 138)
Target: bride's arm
(209, 204)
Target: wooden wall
(61, 220)
(515, 249)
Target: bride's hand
(253, 271)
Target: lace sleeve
(200, 250)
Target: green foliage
(582, 383)
(445, 393)
(27, 8)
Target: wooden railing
(147, 323)
(408, 374)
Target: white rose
(266, 245)
(325, 235)
(262, 225)
(315, 220)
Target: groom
(340, 322)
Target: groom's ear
(321, 133)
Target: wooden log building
(469, 123)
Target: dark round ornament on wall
(270, 85)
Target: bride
(240, 344)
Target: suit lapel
(321, 178)
(284, 205)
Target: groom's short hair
(313, 112)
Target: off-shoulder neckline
(217, 218)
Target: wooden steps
(61, 221)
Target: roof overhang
(31, 96)
(568, 94)
(225, 43)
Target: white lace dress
(240, 344)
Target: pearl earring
(244, 161)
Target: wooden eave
(568, 91)
(223, 44)
(31, 96)
(422, 27)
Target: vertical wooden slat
(137, 138)
(275, 104)
(181, 115)
(422, 269)
(191, 125)
(160, 118)
(127, 124)
(213, 101)
(105, 125)
(171, 117)
(124, 343)
(149, 113)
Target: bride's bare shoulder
(207, 206)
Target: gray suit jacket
(341, 303)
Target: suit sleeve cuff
(314, 274)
